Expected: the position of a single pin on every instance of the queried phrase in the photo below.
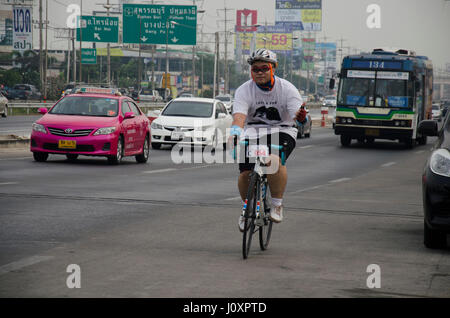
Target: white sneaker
(241, 223)
(276, 214)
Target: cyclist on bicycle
(270, 105)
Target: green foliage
(10, 77)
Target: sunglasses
(262, 69)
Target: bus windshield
(379, 91)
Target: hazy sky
(423, 26)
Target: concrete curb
(11, 141)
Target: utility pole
(108, 48)
(46, 51)
(41, 57)
(74, 57)
(341, 47)
(226, 73)
(216, 64)
(81, 37)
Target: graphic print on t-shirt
(270, 113)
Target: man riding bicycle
(267, 107)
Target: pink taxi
(92, 122)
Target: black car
(436, 185)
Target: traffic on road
(288, 152)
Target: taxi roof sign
(98, 90)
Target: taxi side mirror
(42, 110)
(128, 115)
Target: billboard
(245, 20)
(277, 42)
(304, 15)
(22, 29)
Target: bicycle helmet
(263, 55)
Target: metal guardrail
(145, 106)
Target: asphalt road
(170, 230)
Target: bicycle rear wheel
(249, 215)
(266, 230)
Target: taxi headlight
(39, 127)
(207, 127)
(440, 162)
(105, 131)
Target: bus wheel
(346, 140)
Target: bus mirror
(332, 82)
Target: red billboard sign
(245, 20)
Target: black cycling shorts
(283, 137)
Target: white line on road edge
(14, 266)
(21, 158)
(307, 189)
(160, 170)
(389, 164)
(232, 199)
(339, 180)
(6, 183)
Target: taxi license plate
(258, 151)
(67, 144)
(177, 135)
(373, 132)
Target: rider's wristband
(235, 130)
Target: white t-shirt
(268, 109)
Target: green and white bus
(383, 95)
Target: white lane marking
(307, 189)
(160, 170)
(388, 164)
(232, 199)
(420, 151)
(339, 180)
(14, 266)
(6, 183)
(21, 158)
(305, 147)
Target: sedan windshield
(189, 109)
(223, 98)
(86, 106)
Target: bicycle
(256, 209)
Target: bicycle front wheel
(249, 215)
(266, 229)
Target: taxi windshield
(86, 106)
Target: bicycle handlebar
(278, 147)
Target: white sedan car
(3, 105)
(436, 112)
(194, 121)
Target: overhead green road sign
(147, 24)
(88, 56)
(99, 29)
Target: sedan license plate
(258, 151)
(373, 132)
(67, 144)
(177, 135)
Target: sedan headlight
(207, 127)
(105, 131)
(440, 162)
(39, 127)
(156, 126)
